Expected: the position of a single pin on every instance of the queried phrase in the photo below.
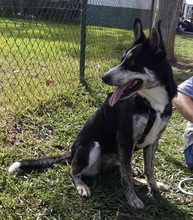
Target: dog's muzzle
(106, 78)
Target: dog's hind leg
(149, 156)
(86, 162)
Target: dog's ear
(138, 32)
(156, 40)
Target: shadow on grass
(183, 69)
(179, 165)
(92, 91)
(108, 202)
(156, 205)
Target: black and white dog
(134, 116)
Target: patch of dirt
(184, 64)
(182, 69)
(16, 130)
(21, 130)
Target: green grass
(38, 120)
(33, 53)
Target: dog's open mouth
(125, 90)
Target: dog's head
(139, 65)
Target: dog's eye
(129, 56)
(130, 59)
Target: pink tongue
(117, 94)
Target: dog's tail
(40, 164)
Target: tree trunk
(168, 12)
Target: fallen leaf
(49, 82)
(40, 99)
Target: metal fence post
(83, 39)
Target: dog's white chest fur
(158, 126)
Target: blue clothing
(187, 87)
(188, 153)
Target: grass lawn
(43, 106)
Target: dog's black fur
(133, 117)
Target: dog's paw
(83, 190)
(135, 202)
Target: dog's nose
(106, 78)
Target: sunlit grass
(34, 53)
(183, 45)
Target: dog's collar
(144, 102)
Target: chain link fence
(48, 46)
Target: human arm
(184, 105)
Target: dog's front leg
(125, 157)
(149, 156)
